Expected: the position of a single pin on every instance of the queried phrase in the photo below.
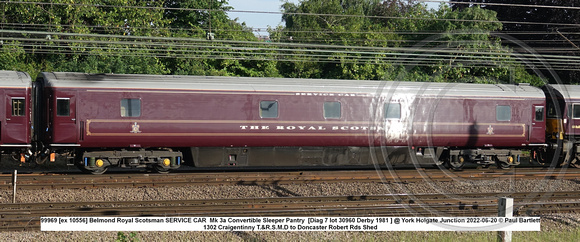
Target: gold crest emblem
(489, 130)
(135, 128)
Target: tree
(208, 20)
(549, 28)
(334, 23)
(519, 15)
(59, 36)
(464, 50)
(347, 39)
(130, 36)
(388, 40)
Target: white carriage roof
(14, 79)
(568, 91)
(268, 84)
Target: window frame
(324, 110)
(536, 113)
(387, 106)
(551, 110)
(58, 113)
(261, 110)
(20, 110)
(498, 114)
(129, 108)
(573, 111)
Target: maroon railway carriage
(481, 123)
(15, 106)
(102, 120)
(563, 124)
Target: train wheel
(503, 165)
(160, 169)
(93, 171)
(99, 171)
(101, 166)
(456, 163)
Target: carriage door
(16, 124)
(538, 131)
(65, 122)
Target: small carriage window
(332, 110)
(551, 110)
(63, 107)
(503, 113)
(539, 113)
(130, 107)
(268, 109)
(576, 111)
(18, 106)
(392, 110)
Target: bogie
(97, 161)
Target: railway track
(26, 216)
(67, 181)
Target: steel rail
(62, 181)
(26, 216)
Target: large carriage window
(576, 111)
(18, 106)
(392, 110)
(332, 110)
(268, 109)
(130, 107)
(539, 113)
(63, 107)
(503, 113)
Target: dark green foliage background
(341, 39)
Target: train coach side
(15, 106)
(481, 123)
(101, 120)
